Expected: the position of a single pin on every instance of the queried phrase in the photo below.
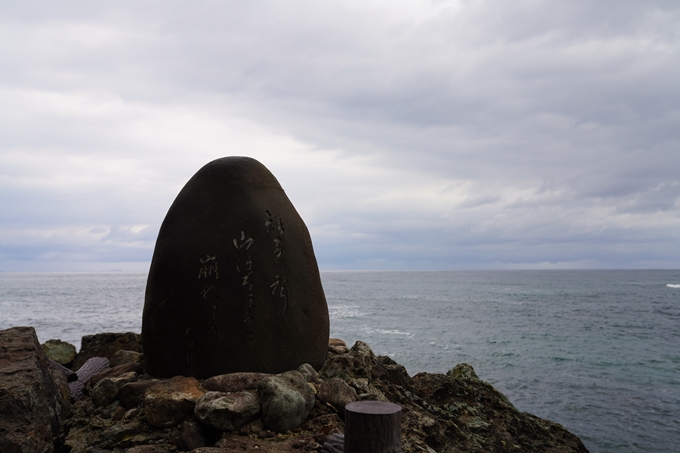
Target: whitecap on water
(345, 311)
(394, 332)
(673, 285)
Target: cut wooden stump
(372, 427)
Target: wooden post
(372, 427)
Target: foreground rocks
(32, 407)
(132, 412)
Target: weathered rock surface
(32, 410)
(234, 284)
(338, 393)
(171, 401)
(107, 389)
(191, 435)
(234, 382)
(308, 372)
(125, 357)
(337, 346)
(132, 394)
(227, 411)
(106, 345)
(60, 351)
(286, 401)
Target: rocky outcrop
(132, 412)
(171, 401)
(106, 345)
(32, 409)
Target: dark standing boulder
(234, 284)
(32, 410)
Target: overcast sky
(408, 134)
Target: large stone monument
(233, 284)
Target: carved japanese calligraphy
(233, 284)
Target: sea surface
(596, 351)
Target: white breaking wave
(345, 311)
(673, 285)
(393, 332)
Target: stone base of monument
(441, 412)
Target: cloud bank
(408, 134)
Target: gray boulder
(227, 411)
(286, 401)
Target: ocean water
(596, 351)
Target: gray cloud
(408, 134)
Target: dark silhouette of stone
(234, 284)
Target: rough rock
(302, 444)
(234, 284)
(356, 363)
(60, 351)
(338, 393)
(106, 345)
(454, 412)
(170, 402)
(324, 425)
(107, 389)
(123, 357)
(132, 394)
(337, 346)
(191, 436)
(286, 401)
(234, 382)
(308, 372)
(227, 411)
(60, 379)
(32, 411)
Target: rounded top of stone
(237, 173)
